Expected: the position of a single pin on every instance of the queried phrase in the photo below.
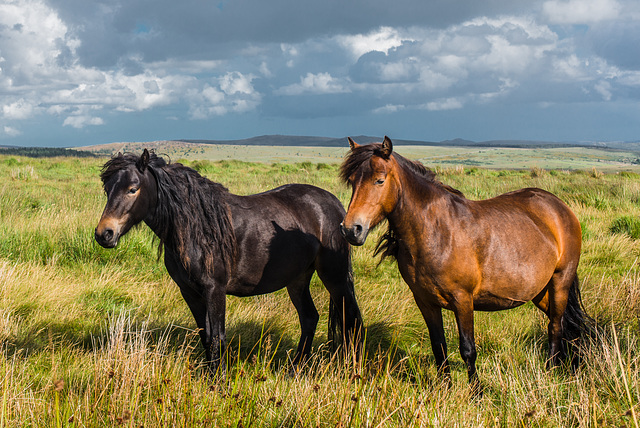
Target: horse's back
(542, 207)
(529, 235)
(280, 233)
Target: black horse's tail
(335, 322)
(576, 324)
(337, 330)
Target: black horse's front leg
(214, 337)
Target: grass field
(93, 337)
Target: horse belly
(512, 286)
(265, 266)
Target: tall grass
(94, 337)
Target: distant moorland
(504, 154)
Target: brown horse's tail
(576, 324)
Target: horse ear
(143, 162)
(387, 147)
(352, 143)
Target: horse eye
(380, 181)
(133, 190)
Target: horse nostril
(107, 234)
(357, 229)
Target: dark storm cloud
(617, 42)
(217, 28)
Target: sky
(85, 72)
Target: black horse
(217, 243)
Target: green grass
(94, 337)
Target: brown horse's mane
(358, 160)
(191, 209)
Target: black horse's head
(131, 195)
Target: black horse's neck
(192, 218)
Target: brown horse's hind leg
(556, 300)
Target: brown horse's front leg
(464, 318)
(433, 318)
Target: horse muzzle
(106, 238)
(356, 234)
(107, 234)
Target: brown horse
(465, 255)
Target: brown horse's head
(371, 172)
(131, 196)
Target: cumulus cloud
(580, 11)
(321, 83)
(81, 121)
(381, 40)
(475, 61)
(444, 104)
(20, 109)
(11, 132)
(230, 93)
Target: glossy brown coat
(465, 255)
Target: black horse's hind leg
(334, 270)
(307, 314)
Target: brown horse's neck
(415, 199)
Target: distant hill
(303, 141)
(292, 140)
(312, 141)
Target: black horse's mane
(358, 159)
(191, 211)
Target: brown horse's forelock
(190, 212)
(358, 161)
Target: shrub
(537, 172)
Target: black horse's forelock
(122, 161)
(190, 213)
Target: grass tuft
(626, 225)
